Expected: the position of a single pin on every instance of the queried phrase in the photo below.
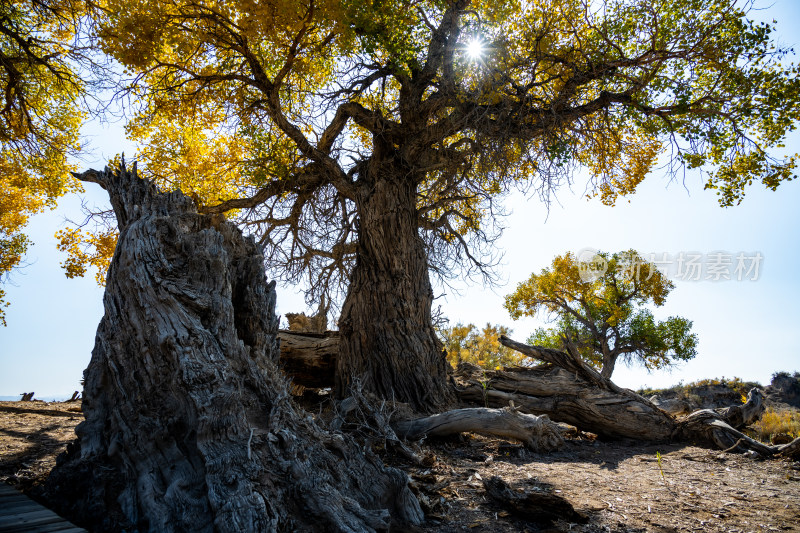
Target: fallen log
(309, 359)
(673, 406)
(536, 432)
(565, 397)
(623, 412)
(565, 389)
(739, 416)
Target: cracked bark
(189, 423)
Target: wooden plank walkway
(20, 514)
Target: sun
(475, 48)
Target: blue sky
(747, 328)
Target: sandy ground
(619, 488)
(32, 434)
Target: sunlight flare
(475, 48)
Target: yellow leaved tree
(468, 344)
(363, 143)
(39, 117)
(599, 307)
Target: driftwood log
(629, 414)
(566, 397)
(189, 425)
(536, 432)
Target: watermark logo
(681, 266)
(591, 265)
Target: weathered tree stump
(189, 424)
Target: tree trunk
(609, 363)
(387, 338)
(189, 425)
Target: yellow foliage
(619, 162)
(774, 422)
(565, 285)
(236, 94)
(39, 117)
(481, 347)
(86, 249)
(188, 155)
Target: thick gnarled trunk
(387, 338)
(189, 424)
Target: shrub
(479, 346)
(774, 421)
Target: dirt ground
(32, 434)
(618, 487)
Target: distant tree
(468, 344)
(599, 314)
(455, 340)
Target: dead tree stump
(189, 424)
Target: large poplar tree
(363, 142)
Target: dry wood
(539, 506)
(189, 422)
(565, 397)
(591, 402)
(673, 406)
(790, 449)
(309, 358)
(536, 432)
(568, 390)
(739, 416)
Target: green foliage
(599, 315)
(660, 466)
(481, 347)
